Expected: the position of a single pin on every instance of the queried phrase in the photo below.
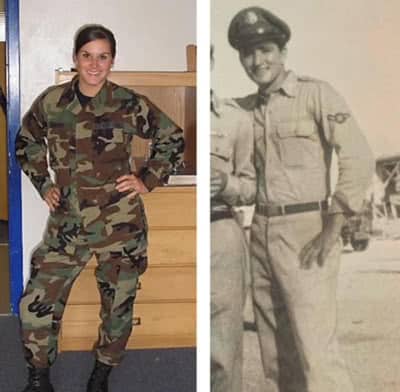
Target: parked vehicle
(358, 229)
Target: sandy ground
(369, 321)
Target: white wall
(151, 36)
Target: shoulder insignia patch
(339, 118)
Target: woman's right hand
(52, 198)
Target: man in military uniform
(232, 183)
(295, 234)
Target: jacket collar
(69, 99)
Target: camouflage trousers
(117, 235)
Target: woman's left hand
(131, 183)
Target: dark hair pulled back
(91, 32)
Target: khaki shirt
(296, 131)
(232, 152)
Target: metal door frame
(14, 172)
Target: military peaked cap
(253, 25)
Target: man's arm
(355, 169)
(356, 164)
(240, 186)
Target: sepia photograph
(97, 163)
(305, 196)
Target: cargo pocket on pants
(136, 251)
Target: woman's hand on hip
(131, 183)
(52, 198)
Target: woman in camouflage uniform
(86, 126)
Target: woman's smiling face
(93, 63)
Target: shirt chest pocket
(299, 143)
(220, 147)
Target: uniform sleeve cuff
(229, 188)
(45, 187)
(336, 207)
(149, 179)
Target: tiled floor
(4, 279)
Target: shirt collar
(215, 107)
(288, 86)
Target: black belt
(271, 210)
(223, 214)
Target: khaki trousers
(295, 309)
(228, 270)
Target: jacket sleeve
(355, 160)
(240, 188)
(167, 143)
(31, 148)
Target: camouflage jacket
(90, 147)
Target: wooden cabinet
(165, 307)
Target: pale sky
(354, 45)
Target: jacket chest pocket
(109, 141)
(299, 143)
(60, 142)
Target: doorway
(11, 258)
(4, 243)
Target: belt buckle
(282, 210)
